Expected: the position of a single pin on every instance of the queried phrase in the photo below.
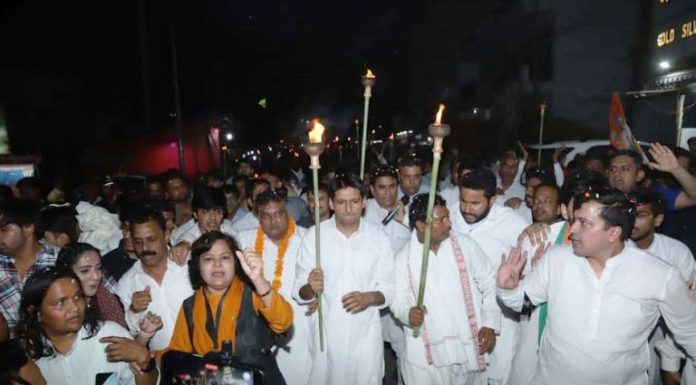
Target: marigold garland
(282, 248)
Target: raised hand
(513, 203)
(665, 160)
(538, 233)
(558, 154)
(141, 300)
(540, 251)
(251, 263)
(525, 154)
(510, 268)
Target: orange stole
(279, 317)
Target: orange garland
(282, 248)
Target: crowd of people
(574, 273)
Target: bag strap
(188, 313)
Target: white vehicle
(575, 147)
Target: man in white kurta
(650, 214)
(386, 212)
(604, 300)
(547, 210)
(495, 228)
(356, 280)
(460, 301)
(278, 232)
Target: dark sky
(81, 60)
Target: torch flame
(316, 132)
(438, 116)
(369, 74)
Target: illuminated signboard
(674, 34)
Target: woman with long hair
(69, 341)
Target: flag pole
(680, 116)
(542, 113)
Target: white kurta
(524, 360)
(496, 234)
(181, 230)
(399, 235)
(87, 358)
(674, 253)
(166, 298)
(364, 262)
(678, 255)
(249, 221)
(597, 328)
(194, 232)
(293, 358)
(444, 297)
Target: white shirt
(249, 221)
(674, 253)
(597, 328)
(444, 297)
(86, 359)
(496, 234)
(194, 232)
(364, 262)
(397, 232)
(166, 298)
(181, 230)
(450, 195)
(293, 358)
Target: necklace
(282, 248)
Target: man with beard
(546, 210)
(495, 228)
(21, 255)
(355, 281)
(277, 240)
(459, 316)
(650, 214)
(533, 177)
(604, 298)
(176, 189)
(154, 283)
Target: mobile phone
(106, 379)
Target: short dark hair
(60, 220)
(321, 187)
(152, 179)
(30, 182)
(255, 182)
(468, 163)
(207, 198)
(411, 161)
(553, 187)
(70, 254)
(33, 294)
(230, 188)
(629, 153)
(19, 212)
(201, 246)
(540, 173)
(582, 181)
(618, 210)
(691, 140)
(594, 155)
(12, 359)
(480, 179)
(143, 214)
(278, 195)
(347, 180)
(418, 209)
(172, 174)
(383, 170)
(643, 196)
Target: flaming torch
(438, 131)
(368, 82)
(314, 148)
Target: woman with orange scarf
(233, 301)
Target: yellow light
(316, 132)
(438, 116)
